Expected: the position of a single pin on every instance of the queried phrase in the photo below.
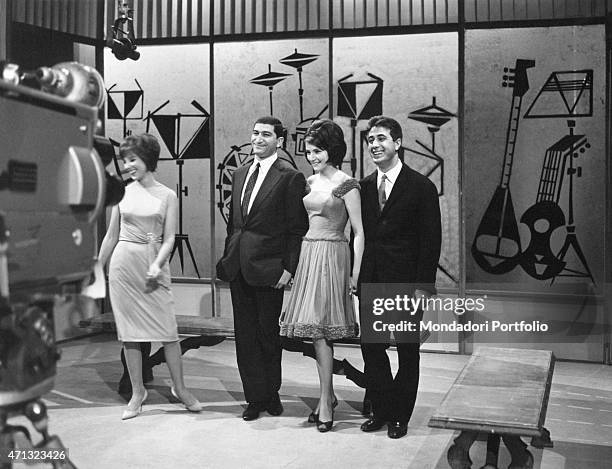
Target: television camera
(53, 188)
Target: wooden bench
(193, 325)
(501, 392)
(211, 331)
(187, 325)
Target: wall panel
(188, 18)
(239, 102)
(69, 16)
(406, 86)
(518, 10)
(185, 72)
(532, 164)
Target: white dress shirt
(392, 176)
(264, 167)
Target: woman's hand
(354, 279)
(154, 271)
(153, 274)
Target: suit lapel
(239, 180)
(400, 186)
(271, 179)
(370, 194)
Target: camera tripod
(16, 444)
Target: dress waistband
(332, 240)
(141, 238)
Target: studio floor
(85, 411)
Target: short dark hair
(145, 146)
(279, 130)
(328, 136)
(388, 123)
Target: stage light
(122, 42)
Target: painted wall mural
(241, 155)
(420, 91)
(535, 197)
(288, 79)
(175, 109)
(361, 91)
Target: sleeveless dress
(141, 316)
(320, 304)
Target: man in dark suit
(401, 219)
(266, 223)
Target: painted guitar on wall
(545, 216)
(497, 244)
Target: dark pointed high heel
(324, 427)
(314, 418)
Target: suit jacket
(402, 243)
(269, 239)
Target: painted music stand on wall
(171, 128)
(125, 105)
(567, 95)
(359, 100)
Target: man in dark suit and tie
(401, 219)
(266, 223)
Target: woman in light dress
(320, 305)
(140, 238)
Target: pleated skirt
(320, 304)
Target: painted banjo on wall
(496, 247)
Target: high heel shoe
(194, 406)
(324, 427)
(129, 413)
(314, 418)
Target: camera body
(52, 190)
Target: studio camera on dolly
(53, 188)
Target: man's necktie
(382, 195)
(249, 190)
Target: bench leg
(189, 343)
(125, 385)
(542, 441)
(492, 452)
(149, 361)
(459, 453)
(521, 458)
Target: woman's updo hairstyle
(328, 136)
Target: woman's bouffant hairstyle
(145, 146)
(328, 136)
